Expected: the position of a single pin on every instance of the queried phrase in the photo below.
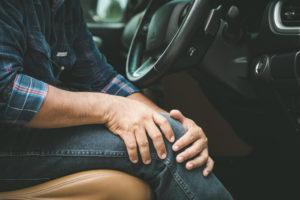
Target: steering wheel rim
(154, 67)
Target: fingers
(199, 161)
(192, 151)
(157, 139)
(143, 145)
(165, 127)
(209, 167)
(176, 114)
(195, 137)
(130, 142)
(193, 134)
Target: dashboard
(255, 81)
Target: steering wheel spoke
(164, 32)
(145, 67)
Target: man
(75, 113)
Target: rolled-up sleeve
(25, 99)
(21, 96)
(92, 71)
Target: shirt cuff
(26, 98)
(120, 86)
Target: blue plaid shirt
(47, 42)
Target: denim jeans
(31, 157)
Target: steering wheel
(163, 36)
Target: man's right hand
(133, 121)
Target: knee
(178, 131)
(177, 127)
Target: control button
(261, 66)
(233, 31)
(192, 50)
(290, 14)
(145, 28)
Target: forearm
(64, 109)
(143, 99)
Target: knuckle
(205, 140)
(192, 123)
(144, 144)
(205, 158)
(197, 164)
(135, 126)
(200, 130)
(131, 146)
(194, 136)
(188, 154)
(144, 117)
(156, 137)
(195, 132)
(199, 148)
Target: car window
(104, 11)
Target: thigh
(30, 157)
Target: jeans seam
(71, 153)
(190, 195)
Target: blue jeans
(31, 157)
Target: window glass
(111, 11)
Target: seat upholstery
(90, 185)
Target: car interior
(230, 65)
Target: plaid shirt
(47, 42)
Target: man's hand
(195, 142)
(133, 121)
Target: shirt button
(62, 68)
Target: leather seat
(90, 185)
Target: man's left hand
(196, 153)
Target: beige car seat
(90, 185)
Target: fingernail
(189, 165)
(175, 148)
(147, 162)
(179, 159)
(163, 156)
(135, 161)
(172, 139)
(205, 173)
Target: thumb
(176, 114)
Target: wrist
(100, 107)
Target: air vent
(290, 13)
(285, 17)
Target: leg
(31, 157)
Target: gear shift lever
(232, 32)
